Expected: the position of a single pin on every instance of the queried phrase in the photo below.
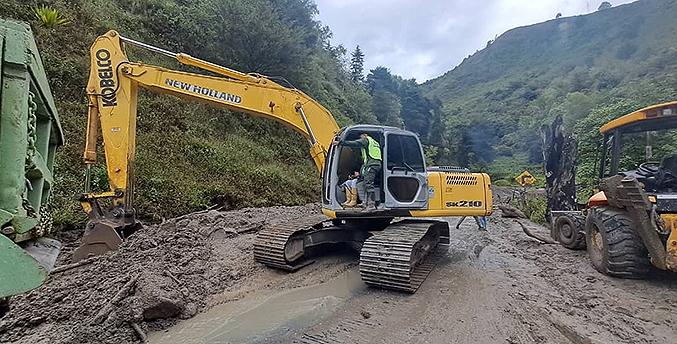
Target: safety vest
(374, 150)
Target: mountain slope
(496, 100)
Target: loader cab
(402, 183)
(643, 145)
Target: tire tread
(625, 254)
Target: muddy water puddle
(264, 314)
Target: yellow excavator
(394, 254)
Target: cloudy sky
(423, 39)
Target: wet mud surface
(501, 286)
(197, 282)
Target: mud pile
(171, 271)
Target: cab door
(405, 181)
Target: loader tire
(615, 248)
(570, 231)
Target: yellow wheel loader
(631, 224)
(393, 253)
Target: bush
(50, 18)
(534, 209)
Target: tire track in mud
(346, 331)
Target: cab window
(404, 153)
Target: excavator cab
(402, 183)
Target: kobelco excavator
(393, 253)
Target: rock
(160, 308)
(365, 314)
(37, 320)
(189, 311)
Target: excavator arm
(112, 92)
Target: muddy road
(498, 286)
(495, 286)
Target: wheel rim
(566, 230)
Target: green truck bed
(30, 133)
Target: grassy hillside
(191, 156)
(587, 68)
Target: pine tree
(357, 65)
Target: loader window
(605, 167)
(633, 151)
(404, 153)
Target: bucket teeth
(269, 247)
(402, 256)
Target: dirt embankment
(179, 265)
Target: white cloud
(424, 39)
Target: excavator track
(271, 245)
(403, 255)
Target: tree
(416, 109)
(357, 65)
(559, 15)
(604, 6)
(387, 108)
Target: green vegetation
(189, 155)
(589, 69)
(50, 18)
(534, 208)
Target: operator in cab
(371, 167)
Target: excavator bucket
(102, 236)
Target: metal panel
(29, 131)
(19, 272)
